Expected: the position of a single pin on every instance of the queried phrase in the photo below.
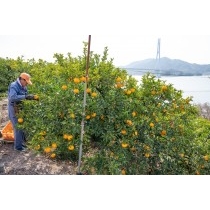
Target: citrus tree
(201, 146)
(7, 75)
(130, 128)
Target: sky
(123, 49)
(130, 29)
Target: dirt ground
(29, 163)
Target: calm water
(196, 86)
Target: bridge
(157, 68)
(140, 71)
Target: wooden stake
(84, 107)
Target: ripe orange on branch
(64, 87)
(88, 90)
(124, 145)
(118, 79)
(20, 120)
(71, 148)
(76, 80)
(206, 157)
(76, 91)
(36, 97)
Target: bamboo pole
(84, 107)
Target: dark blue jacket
(16, 93)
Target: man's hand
(30, 97)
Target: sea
(196, 86)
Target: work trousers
(19, 136)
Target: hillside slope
(168, 66)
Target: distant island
(167, 67)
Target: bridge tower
(157, 63)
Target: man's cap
(26, 77)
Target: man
(16, 93)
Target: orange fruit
(118, 79)
(94, 94)
(163, 132)
(123, 132)
(134, 114)
(72, 115)
(206, 157)
(70, 137)
(152, 125)
(71, 147)
(93, 114)
(76, 91)
(133, 149)
(132, 90)
(146, 147)
(88, 117)
(53, 155)
(153, 92)
(88, 90)
(20, 120)
(181, 155)
(147, 155)
(43, 133)
(36, 97)
(64, 87)
(76, 80)
(124, 145)
(47, 150)
(83, 79)
(54, 145)
(37, 147)
(135, 133)
(164, 88)
(123, 172)
(129, 122)
(119, 85)
(197, 173)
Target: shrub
(129, 128)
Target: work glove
(30, 97)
